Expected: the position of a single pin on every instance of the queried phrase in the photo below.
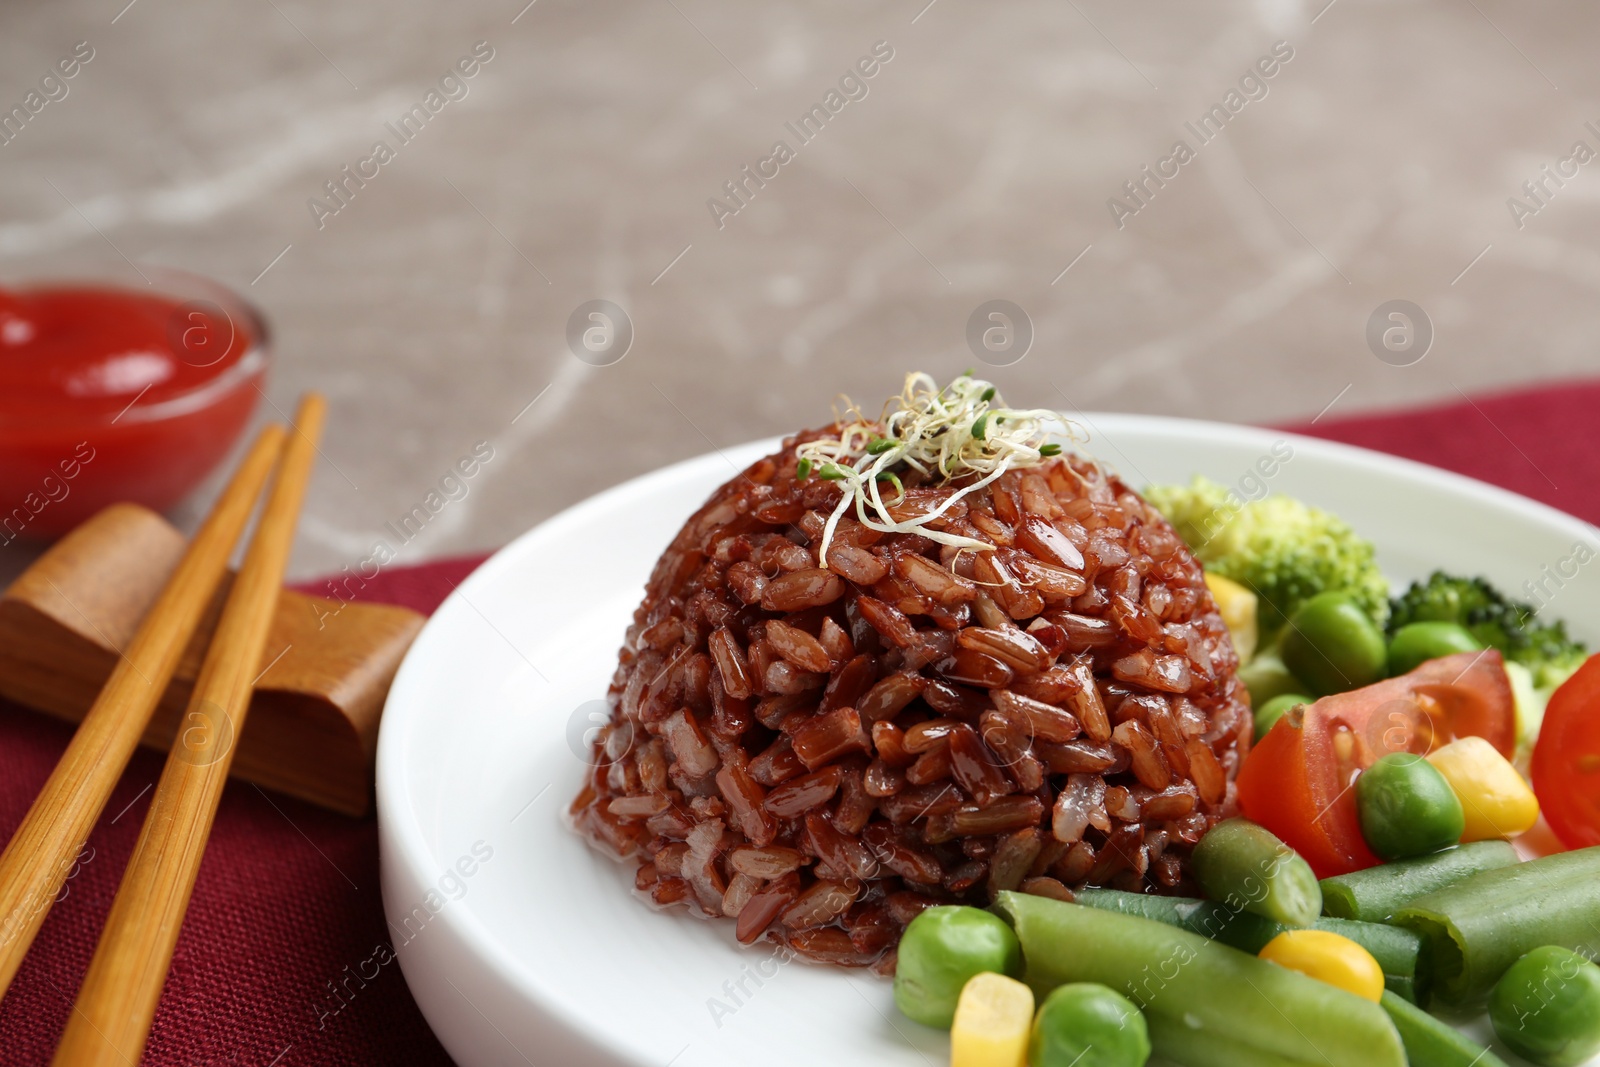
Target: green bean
(1184, 912)
(1209, 1049)
(1396, 950)
(1247, 868)
(1431, 1043)
(1207, 1005)
(1375, 894)
(1474, 930)
(1404, 971)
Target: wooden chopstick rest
(37, 860)
(115, 1006)
(314, 716)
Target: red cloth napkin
(275, 964)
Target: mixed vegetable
(1371, 880)
(1285, 551)
(1296, 781)
(1492, 621)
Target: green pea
(1085, 1024)
(1547, 1007)
(1332, 646)
(941, 949)
(1266, 677)
(1407, 808)
(1273, 710)
(1417, 643)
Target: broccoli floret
(1495, 620)
(1283, 549)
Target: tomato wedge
(1296, 781)
(1566, 759)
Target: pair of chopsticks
(111, 1019)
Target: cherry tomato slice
(1566, 759)
(1297, 780)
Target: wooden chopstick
(111, 1020)
(41, 853)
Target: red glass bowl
(108, 424)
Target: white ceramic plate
(525, 946)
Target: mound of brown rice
(819, 752)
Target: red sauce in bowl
(111, 394)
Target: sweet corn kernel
(1237, 606)
(1329, 958)
(1495, 799)
(993, 1019)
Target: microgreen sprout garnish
(961, 431)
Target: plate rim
(402, 840)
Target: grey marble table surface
(1190, 208)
